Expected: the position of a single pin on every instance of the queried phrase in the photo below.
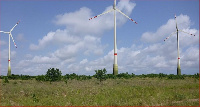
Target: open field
(111, 92)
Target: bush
(100, 74)
(83, 77)
(25, 77)
(152, 75)
(1, 77)
(73, 76)
(22, 77)
(77, 77)
(53, 75)
(124, 75)
(196, 76)
(6, 80)
(40, 78)
(89, 77)
(161, 75)
(111, 76)
(133, 75)
(142, 76)
(13, 77)
(172, 76)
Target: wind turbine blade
(4, 32)
(126, 15)
(186, 32)
(13, 40)
(15, 26)
(102, 14)
(176, 22)
(169, 36)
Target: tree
(53, 75)
(101, 74)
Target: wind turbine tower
(178, 60)
(115, 65)
(10, 35)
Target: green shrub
(25, 77)
(22, 77)
(111, 76)
(83, 77)
(124, 75)
(196, 76)
(100, 74)
(152, 75)
(6, 80)
(53, 75)
(66, 77)
(14, 77)
(142, 76)
(133, 75)
(161, 75)
(1, 77)
(40, 78)
(172, 76)
(89, 77)
(73, 76)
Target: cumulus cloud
(88, 45)
(77, 21)
(84, 61)
(157, 57)
(45, 59)
(165, 30)
(43, 42)
(190, 58)
(55, 38)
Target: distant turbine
(10, 35)
(115, 66)
(178, 62)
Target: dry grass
(119, 92)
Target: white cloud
(43, 42)
(165, 30)
(45, 59)
(68, 51)
(78, 22)
(190, 58)
(68, 61)
(55, 38)
(84, 61)
(188, 40)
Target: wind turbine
(115, 66)
(10, 35)
(178, 62)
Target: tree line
(56, 75)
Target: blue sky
(58, 34)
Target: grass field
(111, 92)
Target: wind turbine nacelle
(114, 6)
